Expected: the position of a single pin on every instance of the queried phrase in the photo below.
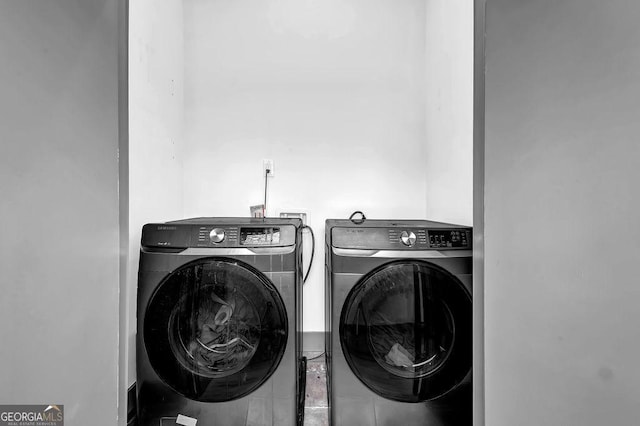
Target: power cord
(316, 357)
(313, 249)
(264, 206)
(357, 221)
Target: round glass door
(215, 329)
(406, 331)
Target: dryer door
(406, 331)
(215, 329)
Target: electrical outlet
(268, 165)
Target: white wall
(449, 120)
(155, 132)
(561, 212)
(332, 91)
(59, 252)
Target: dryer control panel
(402, 238)
(450, 238)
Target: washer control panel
(173, 236)
(216, 236)
(259, 236)
(245, 236)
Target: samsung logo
(167, 228)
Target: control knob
(217, 235)
(408, 238)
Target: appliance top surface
(238, 221)
(389, 223)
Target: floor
(316, 412)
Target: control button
(216, 235)
(408, 238)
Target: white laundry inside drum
(410, 333)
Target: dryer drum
(405, 331)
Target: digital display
(259, 236)
(448, 238)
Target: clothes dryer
(399, 316)
(219, 323)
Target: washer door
(406, 331)
(215, 329)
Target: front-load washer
(399, 321)
(219, 322)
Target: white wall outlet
(268, 165)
